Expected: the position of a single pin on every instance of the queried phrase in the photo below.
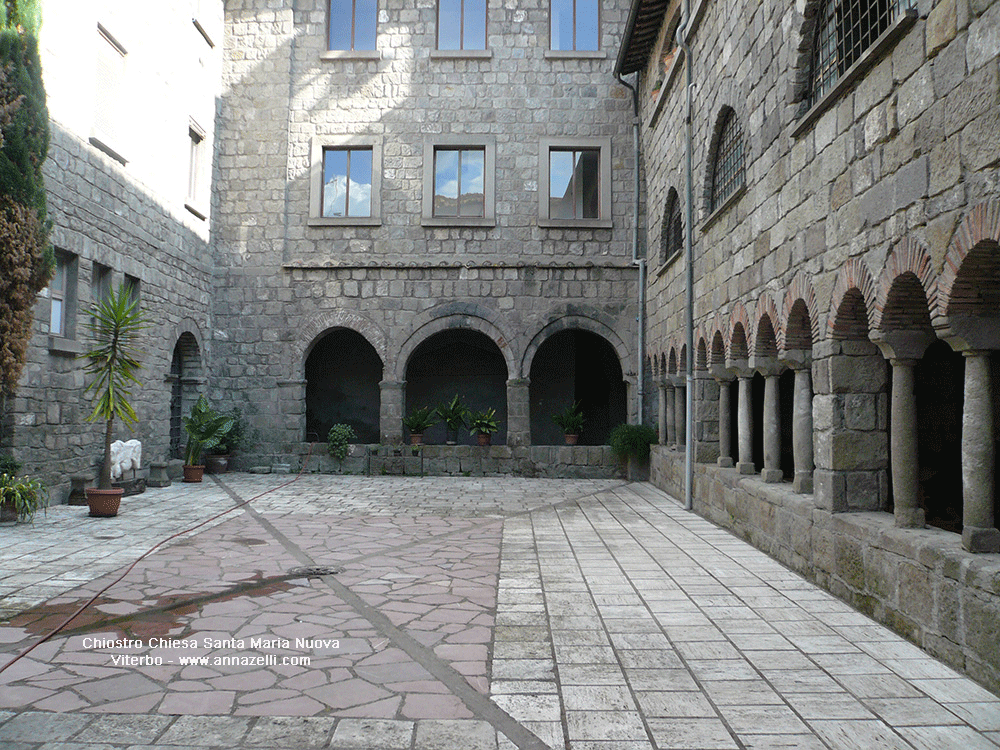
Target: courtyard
(319, 611)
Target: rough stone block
(942, 26)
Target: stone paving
(433, 613)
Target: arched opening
(343, 372)
(464, 362)
(576, 365)
(786, 402)
(184, 378)
(939, 383)
(757, 420)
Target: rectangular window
(132, 285)
(575, 182)
(196, 170)
(461, 24)
(352, 24)
(347, 182)
(109, 110)
(459, 176)
(57, 297)
(575, 25)
(100, 282)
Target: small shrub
(483, 422)
(420, 420)
(24, 495)
(9, 464)
(632, 440)
(338, 440)
(570, 420)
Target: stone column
(725, 438)
(903, 445)
(680, 412)
(668, 396)
(518, 412)
(772, 430)
(802, 432)
(745, 427)
(662, 412)
(391, 411)
(979, 532)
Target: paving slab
(423, 613)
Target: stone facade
(400, 278)
(837, 291)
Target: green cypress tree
(26, 259)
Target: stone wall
(284, 281)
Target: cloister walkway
(444, 613)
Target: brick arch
(455, 315)
(979, 235)
(717, 354)
(683, 360)
(672, 361)
(854, 280)
(701, 357)
(306, 336)
(583, 323)
(739, 321)
(663, 366)
(908, 271)
(795, 335)
(766, 332)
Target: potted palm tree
(483, 424)
(112, 364)
(418, 421)
(570, 421)
(206, 428)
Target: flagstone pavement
(443, 614)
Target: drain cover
(313, 571)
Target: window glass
(450, 24)
(473, 164)
(446, 182)
(365, 21)
(587, 15)
(562, 24)
(575, 24)
(461, 24)
(574, 184)
(57, 294)
(347, 182)
(729, 167)
(474, 25)
(352, 24)
(459, 182)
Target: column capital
(903, 362)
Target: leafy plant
(418, 421)
(113, 364)
(570, 419)
(483, 422)
(338, 440)
(9, 464)
(24, 495)
(237, 435)
(632, 440)
(454, 413)
(206, 428)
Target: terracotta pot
(104, 503)
(8, 513)
(193, 473)
(484, 438)
(416, 438)
(217, 464)
(571, 439)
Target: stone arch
(307, 335)
(592, 323)
(800, 315)
(907, 291)
(853, 301)
(342, 372)
(457, 315)
(188, 327)
(186, 378)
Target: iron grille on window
(730, 169)
(845, 29)
(672, 236)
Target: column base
(726, 462)
(803, 482)
(744, 467)
(771, 476)
(977, 539)
(912, 518)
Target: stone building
(131, 99)
(845, 378)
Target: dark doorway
(184, 379)
(734, 419)
(576, 366)
(757, 404)
(786, 404)
(464, 362)
(343, 372)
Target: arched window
(845, 29)
(729, 165)
(672, 232)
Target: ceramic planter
(484, 438)
(216, 464)
(571, 438)
(193, 473)
(104, 503)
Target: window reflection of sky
(459, 170)
(364, 14)
(347, 176)
(458, 30)
(585, 20)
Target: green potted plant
(418, 421)
(631, 442)
(21, 497)
(217, 459)
(338, 441)
(112, 364)
(454, 414)
(206, 428)
(483, 424)
(570, 421)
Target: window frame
(598, 51)
(451, 143)
(63, 342)
(673, 215)
(197, 140)
(346, 142)
(717, 202)
(462, 51)
(109, 127)
(351, 54)
(546, 147)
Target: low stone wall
(920, 583)
(577, 462)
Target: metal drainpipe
(640, 262)
(688, 259)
